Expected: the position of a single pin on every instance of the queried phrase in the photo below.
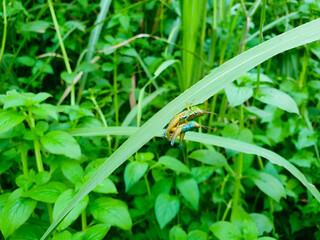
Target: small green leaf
(166, 208)
(72, 171)
(173, 164)
(29, 231)
(197, 235)
(106, 186)
(133, 172)
(46, 193)
(201, 174)
(237, 95)
(40, 97)
(164, 66)
(27, 61)
(59, 142)
(269, 185)
(16, 211)
(177, 233)
(88, 67)
(65, 235)
(225, 231)
(263, 223)
(9, 119)
(62, 202)
(111, 211)
(243, 221)
(279, 99)
(189, 189)
(210, 157)
(36, 26)
(96, 232)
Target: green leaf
(28, 232)
(210, 157)
(88, 67)
(201, 174)
(243, 221)
(65, 235)
(133, 172)
(164, 66)
(36, 26)
(269, 185)
(27, 61)
(9, 119)
(63, 200)
(59, 142)
(173, 164)
(162, 186)
(263, 223)
(189, 189)
(177, 233)
(15, 213)
(279, 99)
(106, 186)
(197, 235)
(72, 171)
(166, 208)
(111, 211)
(96, 232)
(225, 231)
(237, 95)
(211, 84)
(46, 193)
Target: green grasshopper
(184, 117)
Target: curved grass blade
(211, 84)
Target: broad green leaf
(16, 212)
(189, 189)
(202, 173)
(26, 60)
(279, 99)
(65, 235)
(46, 193)
(237, 95)
(88, 67)
(177, 233)
(133, 172)
(243, 221)
(62, 201)
(36, 26)
(162, 186)
(173, 164)
(210, 157)
(59, 142)
(28, 231)
(73, 171)
(106, 186)
(96, 232)
(211, 84)
(166, 208)
(9, 119)
(225, 231)
(111, 211)
(263, 223)
(269, 185)
(197, 235)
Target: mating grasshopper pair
(182, 123)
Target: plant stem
(84, 220)
(115, 90)
(24, 160)
(4, 37)
(64, 52)
(93, 99)
(147, 185)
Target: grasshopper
(181, 130)
(184, 117)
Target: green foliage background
(77, 78)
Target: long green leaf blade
(204, 89)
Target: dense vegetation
(79, 77)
